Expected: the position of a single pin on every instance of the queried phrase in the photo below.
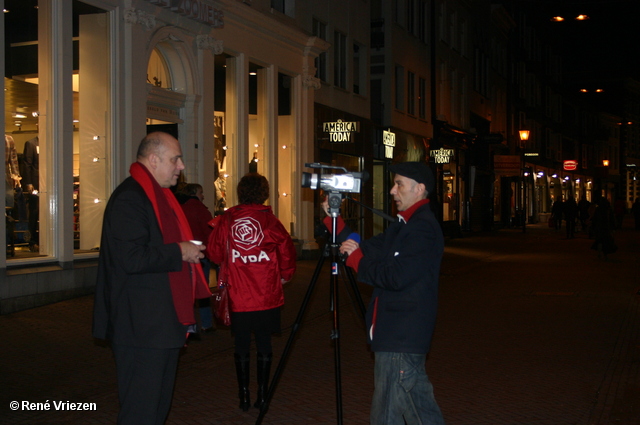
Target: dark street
(533, 328)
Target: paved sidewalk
(533, 329)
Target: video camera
(333, 184)
(348, 182)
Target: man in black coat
(403, 266)
(144, 292)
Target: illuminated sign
(339, 131)
(198, 10)
(441, 156)
(389, 141)
(570, 165)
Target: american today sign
(340, 131)
(441, 156)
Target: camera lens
(310, 180)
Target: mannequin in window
(30, 158)
(12, 173)
(253, 164)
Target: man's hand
(348, 246)
(191, 253)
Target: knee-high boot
(242, 371)
(264, 368)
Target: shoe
(264, 368)
(208, 330)
(194, 337)
(242, 372)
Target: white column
(55, 64)
(237, 116)
(304, 153)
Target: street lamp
(524, 136)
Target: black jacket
(133, 302)
(403, 266)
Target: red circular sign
(570, 165)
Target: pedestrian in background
(570, 215)
(148, 276)
(583, 213)
(557, 210)
(403, 266)
(191, 199)
(258, 254)
(603, 226)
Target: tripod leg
(335, 335)
(294, 329)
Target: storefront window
(91, 135)
(258, 130)
(21, 128)
(157, 70)
(449, 197)
(32, 203)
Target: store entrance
(170, 128)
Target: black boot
(264, 367)
(242, 371)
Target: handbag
(221, 308)
(221, 305)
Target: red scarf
(189, 283)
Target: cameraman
(403, 265)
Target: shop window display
(21, 128)
(29, 176)
(268, 145)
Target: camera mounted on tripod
(333, 184)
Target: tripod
(331, 250)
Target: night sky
(605, 46)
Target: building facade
(86, 80)
(273, 85)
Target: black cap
(418, 171)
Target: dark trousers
(146, 377)
(243, 342)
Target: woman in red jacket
(257, 256)
(191, 199)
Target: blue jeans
(403, 391)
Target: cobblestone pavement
(533, 328)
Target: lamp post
(524, 136)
